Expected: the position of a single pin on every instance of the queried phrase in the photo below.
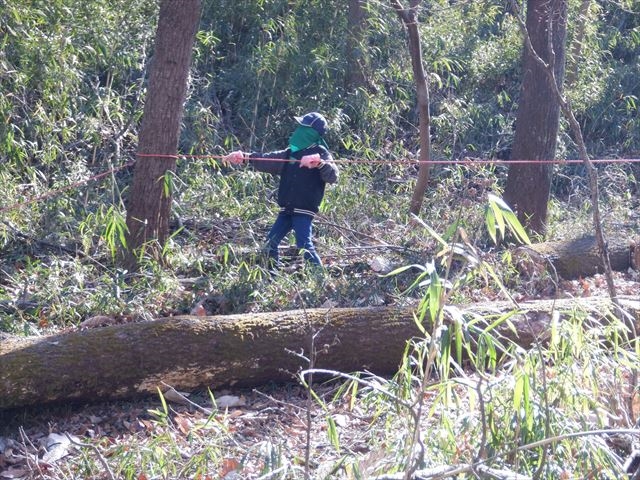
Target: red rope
(71, 186)
(467, 162)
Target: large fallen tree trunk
(578, 257)
(191, 352)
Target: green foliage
(72, 77)
(70, 66)
(515, 404)
(499, 217)
(75, 74)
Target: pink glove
(311, 161)
(235, 158)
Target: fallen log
(576, 258)
(190, 352)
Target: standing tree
(409, 17)
(549, 70)
(355, 49)
(528, 185)
(578, 42)
(149, 201)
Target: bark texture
(149, 203)
(528, 185)
(356, 76)
(576, 258)
(243, 350)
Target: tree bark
(528, 185)
(549, 69)
(578, 42)
(575, 258)
(191, 352)
(149, 203)
(409, 17)
(355, 53)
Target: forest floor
(268, 432)
(281, 431)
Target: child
(305, 167)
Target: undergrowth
(465, 396)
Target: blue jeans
(300, 223)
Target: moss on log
(189, 352)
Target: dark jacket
(300, 187)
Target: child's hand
(235, 158)
(311, 161)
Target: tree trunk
(549, 69)
(578, 41)
(409, 17)
(576, 258)
(149, 202)
(355, 49)
(190, 352)
(528, 185)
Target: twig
(482, 451)
(452, 471)
(414, 461)
(323, 220)
(53, 246)
(481, 467)
(27, 455)
(95, 449)
(290, 405)
(272, 474)
(40, 242)
(366, 383)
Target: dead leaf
(585, 287)
(380, 265)
(175, 396)
(206, 477)
(43, 321)
(230, 401)
(199, 311)
(183, 423)
(228, 465)
(14, 473)
(341, 420)
(57, 446)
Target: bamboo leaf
(499, 218)
(516, 227)
(518, 394)
(332, 433)
(490, 220)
